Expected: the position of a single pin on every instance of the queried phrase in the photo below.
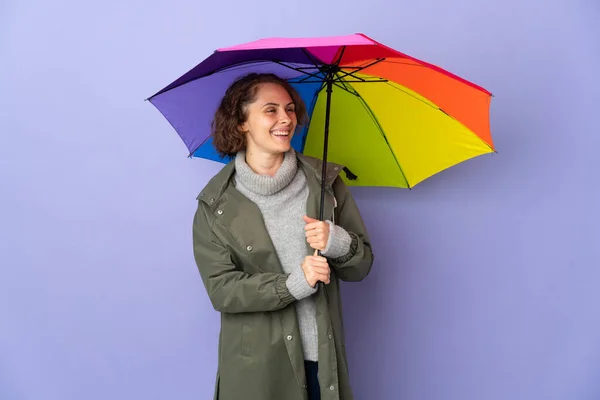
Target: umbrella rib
(313, 104)
(339, 60)
(404, 63)
(340, 84)
(200, 145)
(436, 107)
(229, 67)
(470, 130)
(245, 63)
(378, 125)
(347, 87)
(434, 68)
(336, 82)
(312, 58)
(358, 69)
(319, 80)
(415, 97)
(296, 69)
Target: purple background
(487, 279)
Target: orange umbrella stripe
(467, 103)
(376, 50)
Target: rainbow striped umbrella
(391, 119)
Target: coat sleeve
(356, 264)
(230, 289)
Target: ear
(243, 128)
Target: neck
(264, 164)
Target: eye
(291, 109)
(270, 110)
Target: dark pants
(312, 381)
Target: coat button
(331, 387)
(304, 387)
(212, 200)
(220, 212)
(289, 337)
(335, 168)
(249, 248)
(330, 336)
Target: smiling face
(271, 121)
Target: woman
(256, 241)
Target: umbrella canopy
(392, 119)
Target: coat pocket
(246, 341)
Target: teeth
(280, 133)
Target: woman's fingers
(316, 268)
(314, 232)
(321, 270)
(324, 278)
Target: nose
(285, 118)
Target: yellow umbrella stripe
(389, 135)
(355, 140)
(424, 139)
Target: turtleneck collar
(264, 184)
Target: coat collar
(312, 167)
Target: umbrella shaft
(326, 142)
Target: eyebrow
(275, 104)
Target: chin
(282, 147)
(287, 148)
(281, 150)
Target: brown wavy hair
(233, 112)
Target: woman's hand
(317, 233)
(316, 269)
